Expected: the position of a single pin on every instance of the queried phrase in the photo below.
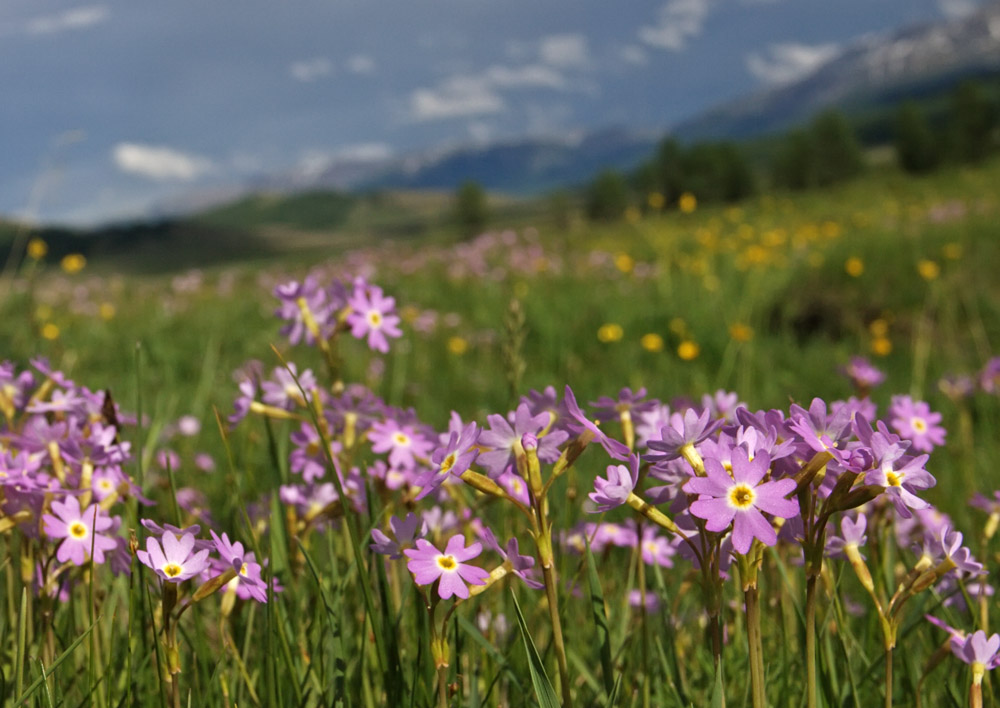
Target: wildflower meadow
(739, 455)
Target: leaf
(719, 690)
(544, 692)
(601, 621)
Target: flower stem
(549, 576)
(442, 672)
(811, 697)
(888, 677)
(755, 646)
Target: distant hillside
(876, 71)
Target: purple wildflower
(916, 422)
(373, 316)
(428, 564)
(404, 533)
(689, 429)
(615, 490)
(863, 374)
(80, 529)
(980, 653)
(740, 499)
(520, 565)
(452, 459)
(173, 561)
(901, 475)
(402, 441)
(504, 440)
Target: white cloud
(310, 70)
(782, 63)
(467, 95)
(457, 97)
(677, 22)
(361, 64)
(527, 76)
(364, 152)
(957, 9)
(633, 54)
(159, 163)
(564, 50)
(72, 19)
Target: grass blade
(544, 692)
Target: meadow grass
(766, 298)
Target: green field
(766, 298)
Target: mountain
(913, 62)
(521, 166)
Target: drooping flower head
(615, 490)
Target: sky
(113, 109)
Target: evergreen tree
(607, 196)
(836, 150)
(471, 212)
(916, 147)
(973, 119)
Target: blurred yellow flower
(655, 200)
(881, 346)
(929, 270)
(687, 202)
(854, 266)
(73, 263)
(688, 350)
(106, 310)
(652, 342)
(50, 331)
(458, 345)
(610, 332)
(37, 248)
(678, 326)
(952, 251)
(740, 332)
(879, 327)
(624, 262)
(633, 215)
(830, 229)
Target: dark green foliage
(836, 148)
(973, 122)
(471, 211)
(825, 153)
(607, 196)
(916, 146)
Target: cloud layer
(786, 62)
(159, 163)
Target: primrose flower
(863, 374)
(428, 564)
(173, 560)
(980, 653)
(373, 316)
(247, 569)
(899, 474)
(615, 490)
(689, 429)
(520, 565)
(740, 499)
(453, 458)
(505, 440)
(403, 443)
(916, 422)
(81, 529)
(405, 532)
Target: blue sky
(110, 108)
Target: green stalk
(811, 697)
(888, 677)
(755, 646)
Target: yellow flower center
(243, 569)
(172, 570)
(919, 425)
(893, 479)
(375, 318)
(447, 563)
(447, 464)
(741, 496)
(77, 530)
(401, 439)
